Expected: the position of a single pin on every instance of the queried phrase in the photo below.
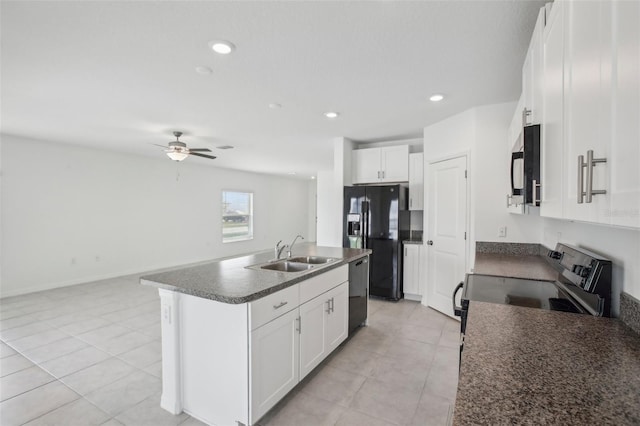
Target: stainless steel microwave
(525, 168)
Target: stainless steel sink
(313, 260)
(287, 266)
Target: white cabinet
(411, 272)
(274, 362)
(625, 151)
(323, 323)
(416, 181)
(591, 108)
(553, 114)
(381, 165)
(532, 73)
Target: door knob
(430, 242)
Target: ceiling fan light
(177, 156)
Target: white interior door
(446, 246)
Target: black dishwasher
(358, 292)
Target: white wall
(72, 214)
(481, 134)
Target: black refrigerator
(376, 217)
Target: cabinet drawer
(322, 283)
(272, 306)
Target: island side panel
(215, 373)
(171, 399)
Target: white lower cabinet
(274, 362)
(323, 323)
(411, 272)
(231, 363)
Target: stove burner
(562, 305)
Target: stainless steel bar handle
(525, 113)
(591, 162)
(378, 174)
(509, 200)
(580, 190)
(332, 304)
(328, 302)
(279, 305)
(299, 328)
(535, 185)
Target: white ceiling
(121, 75)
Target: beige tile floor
(90, 354)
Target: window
(237, 216)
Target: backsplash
(415, 235)
(630, 311)
(516, 249)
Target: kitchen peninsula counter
(231, 281)
(533, 366)
(532, 267)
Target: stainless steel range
(583, 287)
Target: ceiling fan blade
(162, 146)
(200, 149)
(202, 155)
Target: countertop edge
(258, 294)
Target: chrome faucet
(291, 245)
(279, 248)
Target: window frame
(250, 234)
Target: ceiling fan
(178, 150)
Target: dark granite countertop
(418, 242)
(533, 366)
(230, 281)
(514, 266)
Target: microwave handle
(515, 156)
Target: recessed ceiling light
(331, 114)
(313, 177)
(204, 70)
(275, 106)
(436, 98)
(222, 47)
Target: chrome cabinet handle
(299, 325)
(279, 305)
(430, 242)
(332, 306)
(509, 200)
(328, 306)
(383, 174)
(534, 189)
(582, 194)
(525, 113)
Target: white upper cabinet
(591, 109)
(587, 94)
(532, 73)
(416, 181)
(381, 165)
(625, 152)
(553, 114)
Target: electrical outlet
(502, 232)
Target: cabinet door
(535, 100)
(274, 362)
(366, 165)
(395, 163)
(313, 348)
(416, 181)
(527, 84)
(587, 106)
(553, 114)
(337, 319)
(411, 269)
(625, 152)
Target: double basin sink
(296, 264)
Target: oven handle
(457, 311)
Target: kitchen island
(237, 337)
